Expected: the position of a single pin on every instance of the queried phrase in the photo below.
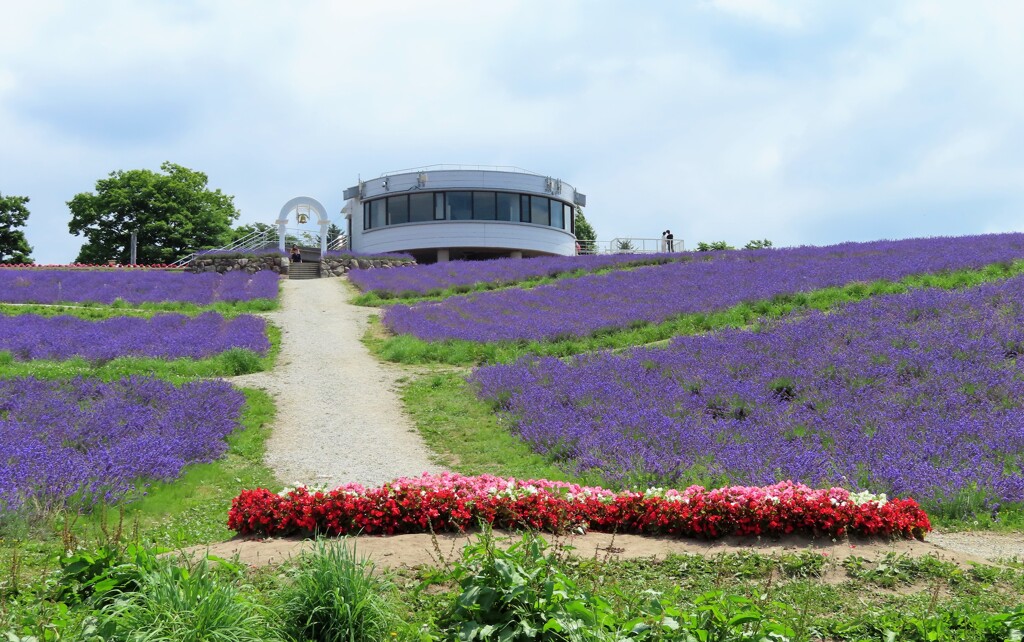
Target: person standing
(669, 240)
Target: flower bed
(85, 440)
(450, 502)
(165, 336)
(133, 286)
(581, 307)
(421, 280)
(914, 394)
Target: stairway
(304, 270)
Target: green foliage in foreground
(236, 361)
(409, 349)
(522, 588)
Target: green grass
(409, 349)
(377, 298)
(97, 312)
(466, 433)
(121, 307)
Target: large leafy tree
(14, 247)
(172, 211)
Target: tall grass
(182, 604)
(335, 597)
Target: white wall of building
(467, 235)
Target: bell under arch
(303, 205)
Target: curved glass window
(422, 207)
(483, 206)
(460, 206)
(539, 212)
(508, 207)
(398, 210)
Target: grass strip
(378, 298)
(467, 435)
(410, 350)
(96, 312)
(237, 361)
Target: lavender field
(29, 337)
(419, 280)
(920, 394)
(89, 441)
(148, 286)
(580, 307)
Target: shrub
(520, 595)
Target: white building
(442, 212)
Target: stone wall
(329, 265)
(221, 264)
(340, 265)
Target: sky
(800, 122)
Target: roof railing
(445, 166)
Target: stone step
(304, 271)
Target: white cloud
(769, 11)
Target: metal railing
(447, 166)
(629, 245)
(259, 240)
(340, 242)
(252, 241)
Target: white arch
(315, 205)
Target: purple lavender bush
(141, 286)
(919, 394)
(29, 337)
(86, 441)
(421, 280)
(580, 307)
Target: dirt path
(416, 550)
(338, 419)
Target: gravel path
(338, 417)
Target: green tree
(714, 246)
(584, 231)
(172, 212)
(758, 244)
(14, 247)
